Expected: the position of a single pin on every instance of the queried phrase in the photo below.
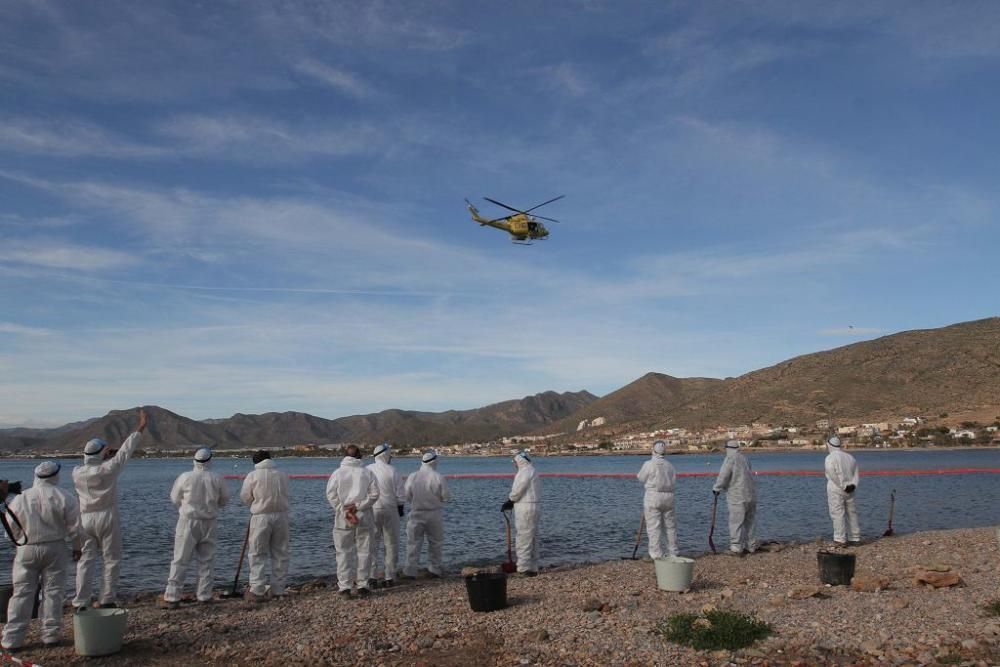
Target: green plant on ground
(992, 608)
(715, 630)
(950, 659)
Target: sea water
(582, 520)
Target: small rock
(425, 642)
(938, 579)
(702, 623)
(726, 593)
(869, 583)
(969, 644)
(776, 601)
(899, 604)
(805, 592)
(631, 604)
(592, 604)
(537, 635)
(708, 608)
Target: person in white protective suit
(659, 478)
(46, 517)
(841, 482)
(265, 490)
(525, 499)
(96, 483)
(352, 492)
(199, 495)
(387, 512)
(736, 479)
(426, 491)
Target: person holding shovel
(265, 489)
(351, 492)
(736, 479)
(525, 499)
(659, 478)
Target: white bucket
(99, 631)
(674, 573)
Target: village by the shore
(593, 438)
(917, 599)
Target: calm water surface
(583, 520)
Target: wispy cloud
(341, 80)
(21, 330)
(60, 254)
(69, 138)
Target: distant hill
(169, 430)
(954, 369)
(649, 398)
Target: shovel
(711, 529)
(509, 567)
(234, 593)
(892, 508)
(638, 538)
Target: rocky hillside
(402, 427)
(954, 369)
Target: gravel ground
(428, 622)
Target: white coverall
(526, 492)
(96, 483)
(391, 494)
(352, 484)
(49, 516)
(265, 489)
(426, 491)
(842, 470)
(736, 479)
(199, 495)
(659, 478)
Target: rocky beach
(917, 599)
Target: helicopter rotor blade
(543, 204)
(542, 217)
(509, 208)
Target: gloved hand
(715, 493)
(850, 488)
(399, 508)
(507, 506)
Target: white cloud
(21, 330)
(60, 254)
(338, 79)
(257, 138)
(68, 137)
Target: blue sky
(225, 207)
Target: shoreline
(243, 454)
(602, 614)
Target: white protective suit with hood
(736, 479)
(96, 483)
(352, 484)
(265, 489)
(659, 478)
(841, 472)
(385, 515)
(426, 491)
(199, 495)
(49, 517)
(526, 494)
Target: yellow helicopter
(521, 225)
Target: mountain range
(954, 369)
